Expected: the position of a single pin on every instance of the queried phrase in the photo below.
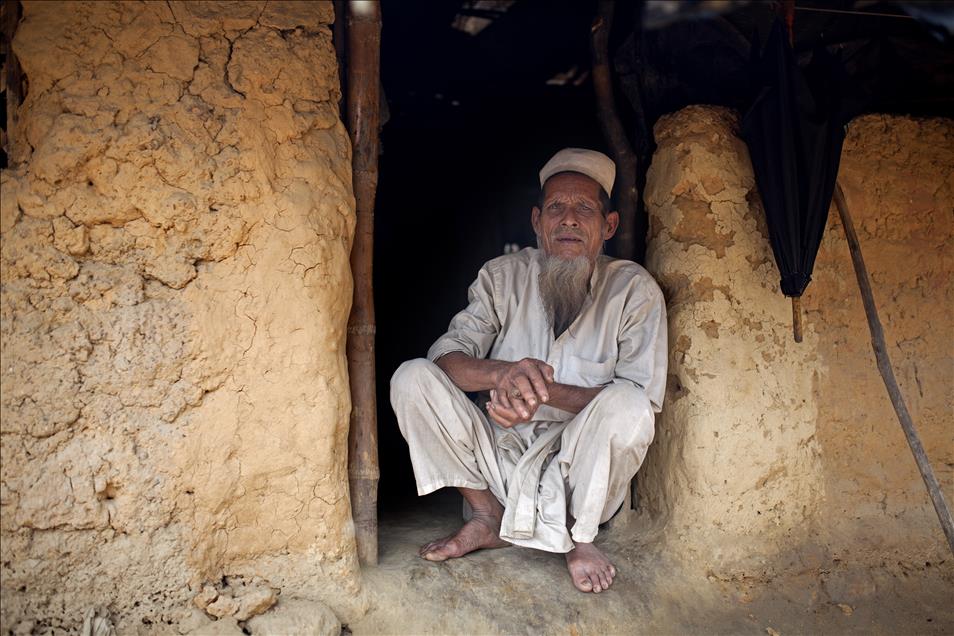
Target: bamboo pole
(887, 373)
(613, 130)
(364, 47)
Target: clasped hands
(521, 388)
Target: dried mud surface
(175, 289)
(898, 178)
(776, 459)
(735, 469)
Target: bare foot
(589, 568)
(482, 531)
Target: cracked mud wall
(176, 286)
(773, 456)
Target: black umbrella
(794, 131)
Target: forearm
(572, 398)
(469, 373)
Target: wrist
(497, 372)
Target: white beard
(564, 283)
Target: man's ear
(535, 219)
(612, 222)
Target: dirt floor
(520, 591)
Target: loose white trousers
(537, 470)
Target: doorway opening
(478, 100)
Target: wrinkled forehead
(571, 185)
(571, 198)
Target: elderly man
(567, 349)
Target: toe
(583, 584)
(435, 551)
(604, 581)
(597, 584)
(434, 555)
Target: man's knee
(627, 413)
(413, 376)
(425, 399)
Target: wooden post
(887, 373)
(613, 130)
(364, 48)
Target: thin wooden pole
(887, 373)
(364, 63)
(613, 130)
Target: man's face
(571, 223)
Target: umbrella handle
(797, 317)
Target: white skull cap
(593, 164)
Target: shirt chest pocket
(589, 373)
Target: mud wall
(735, 464)
(775, 456)
(898, 178)
(175, 237)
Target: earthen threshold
(520, 591)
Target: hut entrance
(477, 103)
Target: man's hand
(524, 384)
(520, 387)
(507, 411)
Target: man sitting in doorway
(568, 349)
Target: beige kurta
(560, 460)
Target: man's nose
(570, 218)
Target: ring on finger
(515, 394)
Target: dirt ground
(520, 591)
